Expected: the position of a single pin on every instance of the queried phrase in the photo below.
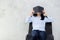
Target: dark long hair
(39, 9)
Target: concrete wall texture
(14, 12)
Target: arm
(49, 19)
(28, 19)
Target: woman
(38, 19)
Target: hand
(31, 13)
(45, 14)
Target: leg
(34, 34)
(42, 35)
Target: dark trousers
(36, 33)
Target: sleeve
(28, 19)
(49, 19)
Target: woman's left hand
(45, 14)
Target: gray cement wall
(14, 12)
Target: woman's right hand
(31, 14)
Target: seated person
(38, 19)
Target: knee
(33, 35)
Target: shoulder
(48, 17)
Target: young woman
(38, 19)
